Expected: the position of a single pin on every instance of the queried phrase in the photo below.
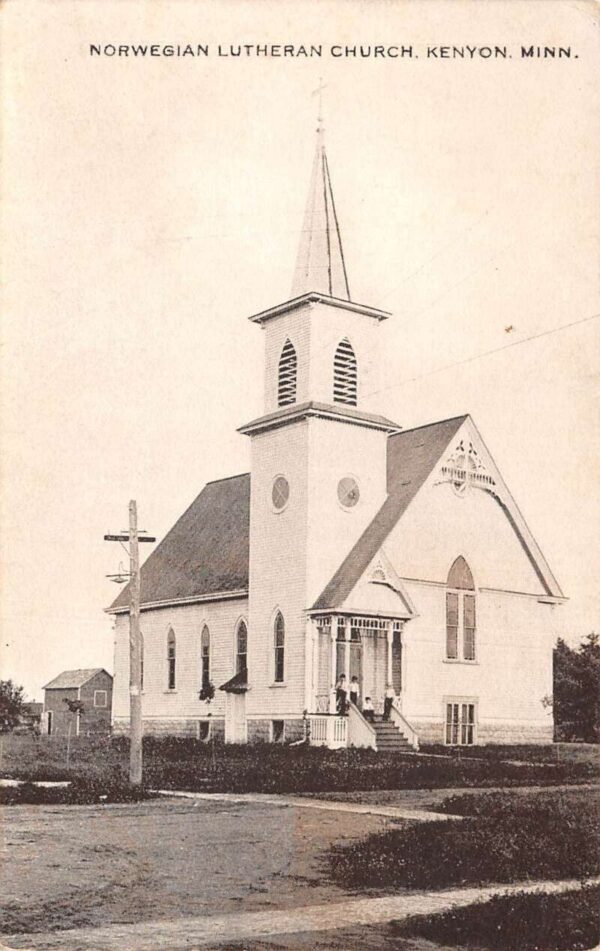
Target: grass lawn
(567, 922)
(504, 838)
(175, 763)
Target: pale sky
(152, 205)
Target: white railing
(360, 731)
(402, 723)
(328, 730)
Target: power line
(486, 353)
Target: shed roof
(206, 551)
(71, 679)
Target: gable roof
(206, 551)
(73, 679)
(411, 456)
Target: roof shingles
(411, 456)
(206, 551)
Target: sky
(151, 205)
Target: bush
(78, 792)
(186, 763)
(520, 922)
(504, 839)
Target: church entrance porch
(368, 648)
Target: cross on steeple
(319, 92)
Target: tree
(576, 697)
(11, 705)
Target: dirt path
(198, 932)
(86, 866)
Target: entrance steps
(389, 737)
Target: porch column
(332, 665)
(390, 643)
(347, 636)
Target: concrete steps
(389, 738)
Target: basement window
(277, 731)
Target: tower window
(344, 374)
(279, 646)
(288, 369)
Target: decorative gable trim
(470, 467)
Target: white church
(354, 547)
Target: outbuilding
(78, 702)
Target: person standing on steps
(388, 702)
(341, 695)
(354, 691)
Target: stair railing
(400, 721)
(360, 731)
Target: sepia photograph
(299, 486)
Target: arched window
(344, 374)
(279, 648)
(171, 660)
(460, 612)
(205, 657)
(288, 367)
(141, 661)
(241, 659)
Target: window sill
(459, 660)
(170, 691)
(277, 683)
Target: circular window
(280, 493)
(348, 492)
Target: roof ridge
(436, 422)
(240, 475)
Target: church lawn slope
(504, 838)
(187, 764)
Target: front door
(235, 718)
(356, 664)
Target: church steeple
(320, 263)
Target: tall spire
(320, 263)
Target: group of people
(345, 695)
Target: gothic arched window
(205, 657)
(171, 659)
(344, 374)
(241, 648)
(279, 648)
(288, 368)
(460, 612)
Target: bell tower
(318, 471)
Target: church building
(353, 547)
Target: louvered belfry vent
(344, 374)
(288, 367)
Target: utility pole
(135, 650)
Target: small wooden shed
(78, 702)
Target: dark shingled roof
(206, 551)
(71, 679)
(411, 455)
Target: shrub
(520, 922)
(505, 839)
(78, 792)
